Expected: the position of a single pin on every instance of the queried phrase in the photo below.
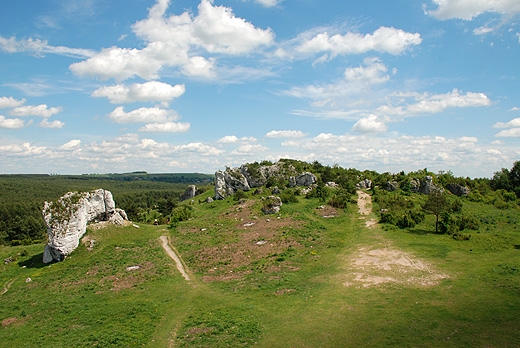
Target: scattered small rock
(136, 226)
(249, 224)
(91, 245)
(8, 260)
(132, 268)
(28, 280)
(261, 242)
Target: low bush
(340, 199)
(289, 196)
(454, 223)
(180, 213)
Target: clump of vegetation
(340, 199)
(289, 196)
(321, 192)
(398, 210)
(181, 213)
(239, 195)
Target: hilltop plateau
(350, 258)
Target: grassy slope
(292, 297)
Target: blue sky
(193, 86)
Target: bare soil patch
(382, 264)
(378, 266)
(13, 321)
(256, 241)
(327, 212)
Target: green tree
(514, 178)
(436, 204)
(501, 180)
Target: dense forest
(151, 198)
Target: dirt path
(165, 242)
(365, 208)
(378, 263)
(7, 286)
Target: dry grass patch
(254, 240)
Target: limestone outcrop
(458, 190)
(67, 220)
(250, 176)
(229, 181)
(304, 179)
(364, 184)
(190, 193)
(425, 186)
(391, 186)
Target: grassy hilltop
(311, 276)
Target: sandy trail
(365, 208)
(165, 242)
(381, 263)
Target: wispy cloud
(39, 47)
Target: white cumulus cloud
(509, 133)
(285, 134)
(514, 123)
(372, 72)
(45, 123)
(177, 41)
(469, 9)
(370, 124)
(426, 103)
(142, 115)
(148, 91)
(168, 127)
(35, 110)
(385, 39)
(228, 139)
(10, 102)
(11, 123)
(513, 130)
(71, 145)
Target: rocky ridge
(250, 176)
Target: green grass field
(307, 277)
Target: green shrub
(402, 218)
(239, 195)
(453, 223)
(320, 192)
(456, 206)
(289, 196)
(180, 213)
(461, 236)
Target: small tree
(436, 204)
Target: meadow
(310, 276)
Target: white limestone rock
(67, 220)
(190, 193)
